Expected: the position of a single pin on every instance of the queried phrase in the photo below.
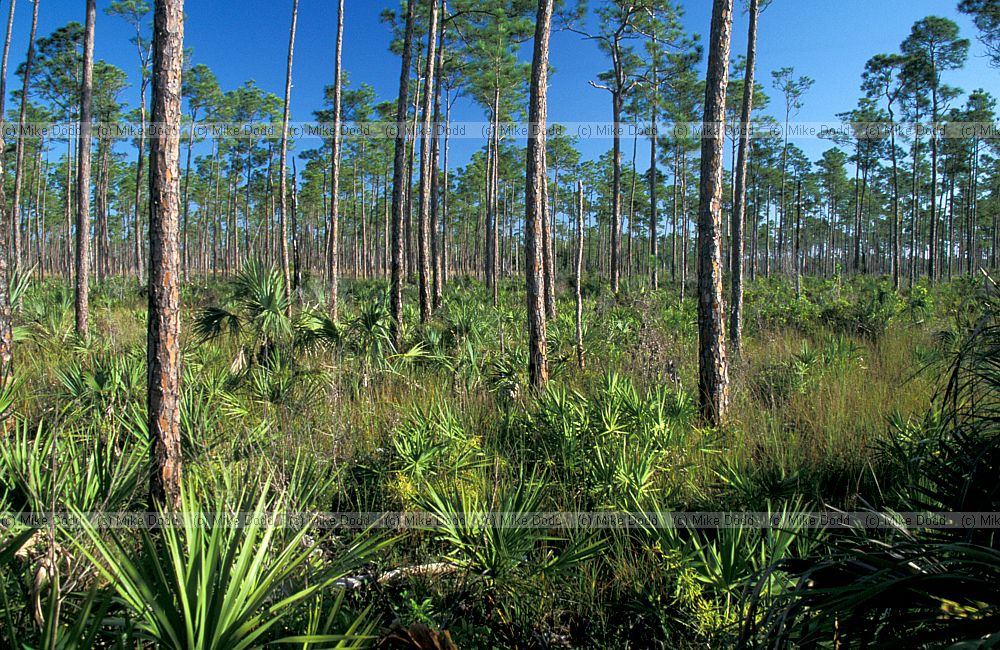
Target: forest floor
(832, 396)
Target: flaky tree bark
(283, 163)
(163, 341)
(398, 174)
(333, 250)
(535, 198)
(739, 210)
(424, 229)
(713, 371)
(83, 179)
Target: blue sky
(248, 39)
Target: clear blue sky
(248, 39)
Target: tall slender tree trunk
(780, 248)
(139, 169)
(580, 358)
(548, 228)
(932, 236)
(185, 200)
(296, 257)
(424, 230)
(282, 165)
(951, 225)
(536, 182)
(713, 371)
(627, 266)
(164, 345)
(409, 236)
(398, 175)
(739, 209)
(915, 204)
(897, 218)
(798, 242)
(6, 326)
(333, 251)
(676, 211)
(445, 226)
(67, 262)
(437, 270)
(83, 179)
(767, 234)
(21, 120)
(616, 189)
(685, 229)
(40, 197)
(654, 267)
(970, 230)
(488, 252)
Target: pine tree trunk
(915, 206)
(627, 267)
(897, 223)
(424, 230)
(685, 229)
(445, 257)
(83, 179)
(676, 211)
(6, 326)
(951, 225)
(164, 353)
(411, 257)
(333, 235)
(536, 182)
(22, 118)
(616, 189)
(398, 174)
(932, 236)
(437, 270)
(489, 252)
(282, 165)
(970, 231)
(187, 181)
(798, 242)
(15, 215)
(654, 271)
(780, 244)
(580, 358)
(767, 234)
(713, 371)
(739, 209)
(551, 207)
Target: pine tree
(713, 369)
(164, 345)
(398, 174)
(536, 192)
(282, 166)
